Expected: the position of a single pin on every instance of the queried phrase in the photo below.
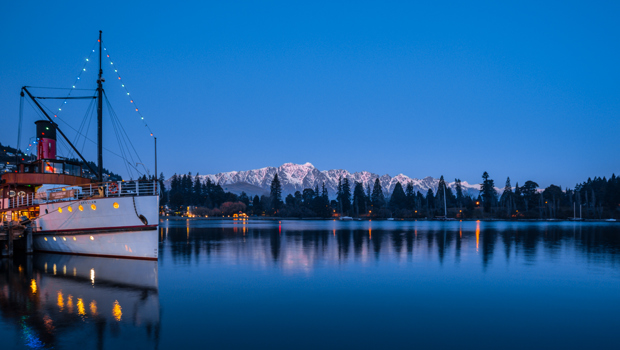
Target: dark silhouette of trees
(488, 193)
(377, 198)
(398, 200)
(275, 193)
(598, 198)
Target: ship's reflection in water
(79, 302)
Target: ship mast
(100, 117)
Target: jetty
(14, 233)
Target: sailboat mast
(100, 117)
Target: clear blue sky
(528, 90)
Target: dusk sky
(528, 90)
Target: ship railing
(99, 190)
(21, 200)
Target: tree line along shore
(594, 199)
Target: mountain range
(297, 177)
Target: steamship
(69, 211)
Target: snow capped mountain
(297, 177)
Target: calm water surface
(327, 284)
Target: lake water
(327, 285)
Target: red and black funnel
(46, 136)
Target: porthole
(54, 238)
(70, 209)
(81, 208)
(93, 207)
(46, 212)
(64, 238)
(74, 239)
(115, 205)
(92, 238)
(60, 210)
(45, 238)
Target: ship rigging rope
(87, 116)
(121, 134)
(123, 139)
(71, 127)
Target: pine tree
(487, 189)
(256, 208)
(197, 191)
(377, 198)
(410, 196)
(339, 195)
(459, 193)
(441, 199)
(276, 193)
(398, 199)
(430, 202)
(507, 197)
(359, 198)
(346, 195)
(529, 190)
(163, 194)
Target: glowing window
(60, 210)
(70, 209)
(81, 207)
(93, 207)
(64, 238)
(54, 238)
(45, 238)
(92, 238)
(115, 205)
(74, 239)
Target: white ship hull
(110, 226)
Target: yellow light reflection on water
(61, 302)
(116, 311)
(477, 234)
(70, 303)
(33, 286)
(80, 307)
(93, 308)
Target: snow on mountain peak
(297, 177)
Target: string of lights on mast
(78, 78)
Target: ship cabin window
(31, 168)
(71, 169)
(52, 167)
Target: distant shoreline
(180, 218)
